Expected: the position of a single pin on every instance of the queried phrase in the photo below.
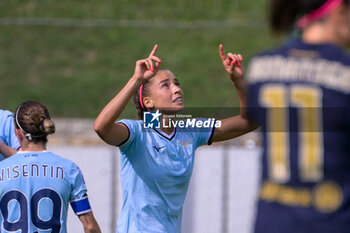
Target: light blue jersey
(155, 173)
(7, 131)
(35, 189)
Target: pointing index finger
(221, 52)
(154, 50)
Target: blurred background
(74, 56)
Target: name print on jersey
(31, 170)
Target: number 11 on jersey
(308, 102)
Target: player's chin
(173, 109)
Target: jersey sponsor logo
(325, 197)
(328, 196)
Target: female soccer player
(8, 141)
(157, 163)
(37, 185)
(300, 93)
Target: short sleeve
(203, 135)
(254, 111)
(251, 103)
(78, 199)
(135, 130)
(7, 131)
(8, 134)
(13, 140)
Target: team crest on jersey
(151, 120)
(186, 143)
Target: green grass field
(77, 66)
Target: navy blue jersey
(300, 94)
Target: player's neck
(169, 129)
(321, 33)
(30, 146)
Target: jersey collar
(166, 136)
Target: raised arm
(105, 126)
(89, 223)
(237, 125)
(6, 150)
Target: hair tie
(141, 87)
(319, 13)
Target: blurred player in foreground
(36, 185)
(157, 163)
(8, 141)
(300, 93)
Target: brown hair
(34, 120)
(145, 92)
(284, 13)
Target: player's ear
(19, 134)
(148, 102)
